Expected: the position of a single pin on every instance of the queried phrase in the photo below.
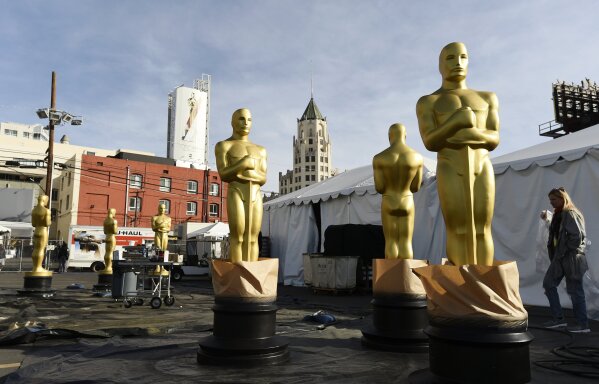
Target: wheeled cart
(135, 280)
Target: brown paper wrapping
(395, 276)
(251, 279)
(473, 291)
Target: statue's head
(241, 121)
(112, 213)
(43, 200)
(453, 62)
(161, 209)
(397, 132)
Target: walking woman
(566, 248)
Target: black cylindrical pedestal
(397, 324)
(104, 283)
(493, 355)
(243, 334)
(37, 286)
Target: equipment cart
(135, 280)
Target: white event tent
(347, 198)
(523, 179)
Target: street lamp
(55, 117)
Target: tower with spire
(311, 152)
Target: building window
(307, 168)
(213, 209)
(307, 178)
(67, 203)
(26, 135)
(310, 141)
(192, 186)
(321, 158)
(313, 178)
(167, 204)
(54, 194)
(37, 136)
(10, 132)
(313, 158)
(165, 184)
(192, 208)
(313, 167)
(326, 159)
(135, 204)
(214, 189)
(135, 181)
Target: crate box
(333, 272)
(307, 268)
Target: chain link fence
(15, 255)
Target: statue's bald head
(241, 121)
(43, 200)
(397, 132)
(238, 113)
(451, 55)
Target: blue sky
(116, 61)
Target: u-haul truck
(87, 244)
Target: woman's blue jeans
(574, 289)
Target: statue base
(493, 356)
(37, 284)
(245, 316)
(399, 307)
(477, 324)
(397, 323)
(243, 334)
(104, 282)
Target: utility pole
(51, 142)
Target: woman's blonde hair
(562, 194)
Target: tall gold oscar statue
(399, 299)
(242, 164)
(245, 288)
(110, 231)
(474, 305)
(462, 125)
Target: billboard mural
(187, 130)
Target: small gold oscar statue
(39, 280)
(110, 231)
(161, 225)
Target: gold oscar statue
(161, 225)
(242, 164)
(462, 126)
(397, 174)
(40, 220)
(110, 230)
(245, 287)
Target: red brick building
(190, 195)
